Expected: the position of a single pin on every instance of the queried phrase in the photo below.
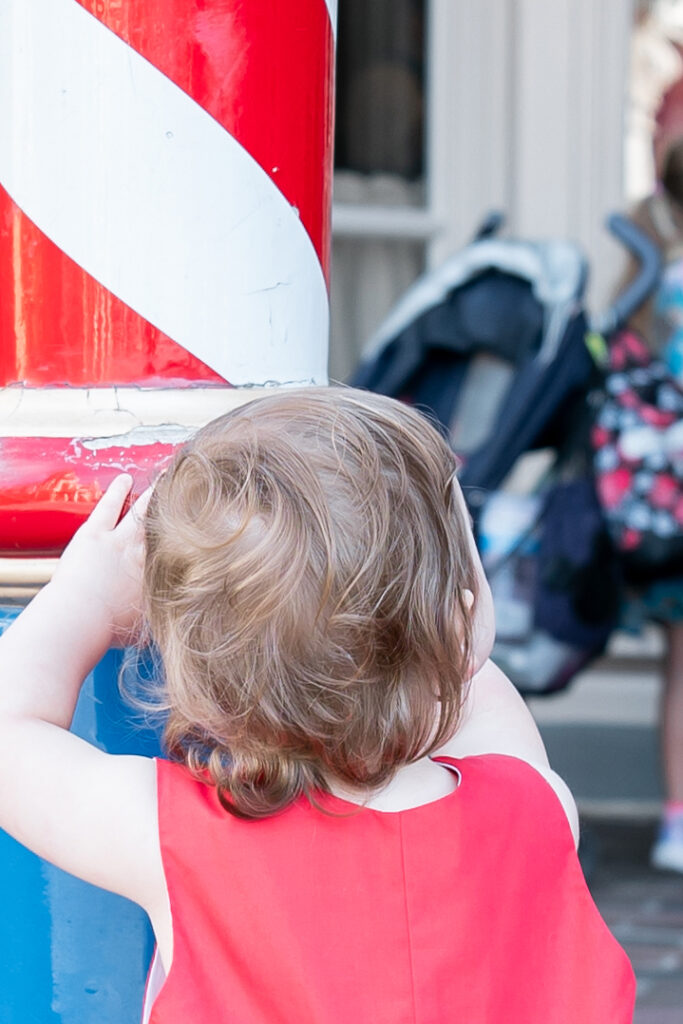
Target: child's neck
(420, 783)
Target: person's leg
(668, 850)
(672, 714)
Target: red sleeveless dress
(468, 910)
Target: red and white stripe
(165, 176)
(165, 186)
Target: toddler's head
(309, 578)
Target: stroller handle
(490, 225)
(649, 259)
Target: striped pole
(165, 175)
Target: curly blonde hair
(305, 584)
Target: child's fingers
(107, 511)
(140, 504)
(133, 519)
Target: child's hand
(99, 575)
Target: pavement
(601, 735)
(644, 910)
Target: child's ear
(468, 598)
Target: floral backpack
(637, 442)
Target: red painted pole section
(165, 201)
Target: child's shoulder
(497, 730)
(175, 781)
(528, 805)
(190, 805)
(504, 776)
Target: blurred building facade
(449, 108)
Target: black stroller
(495, 346)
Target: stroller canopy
(492, 345)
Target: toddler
(357, 820)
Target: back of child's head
(306, 578)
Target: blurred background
(545, 110)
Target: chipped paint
(50, 485)
(112, 412)
(139, 436)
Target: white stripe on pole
(332, 8)
(149, 194)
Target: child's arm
(496, 720)
(91, 813)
